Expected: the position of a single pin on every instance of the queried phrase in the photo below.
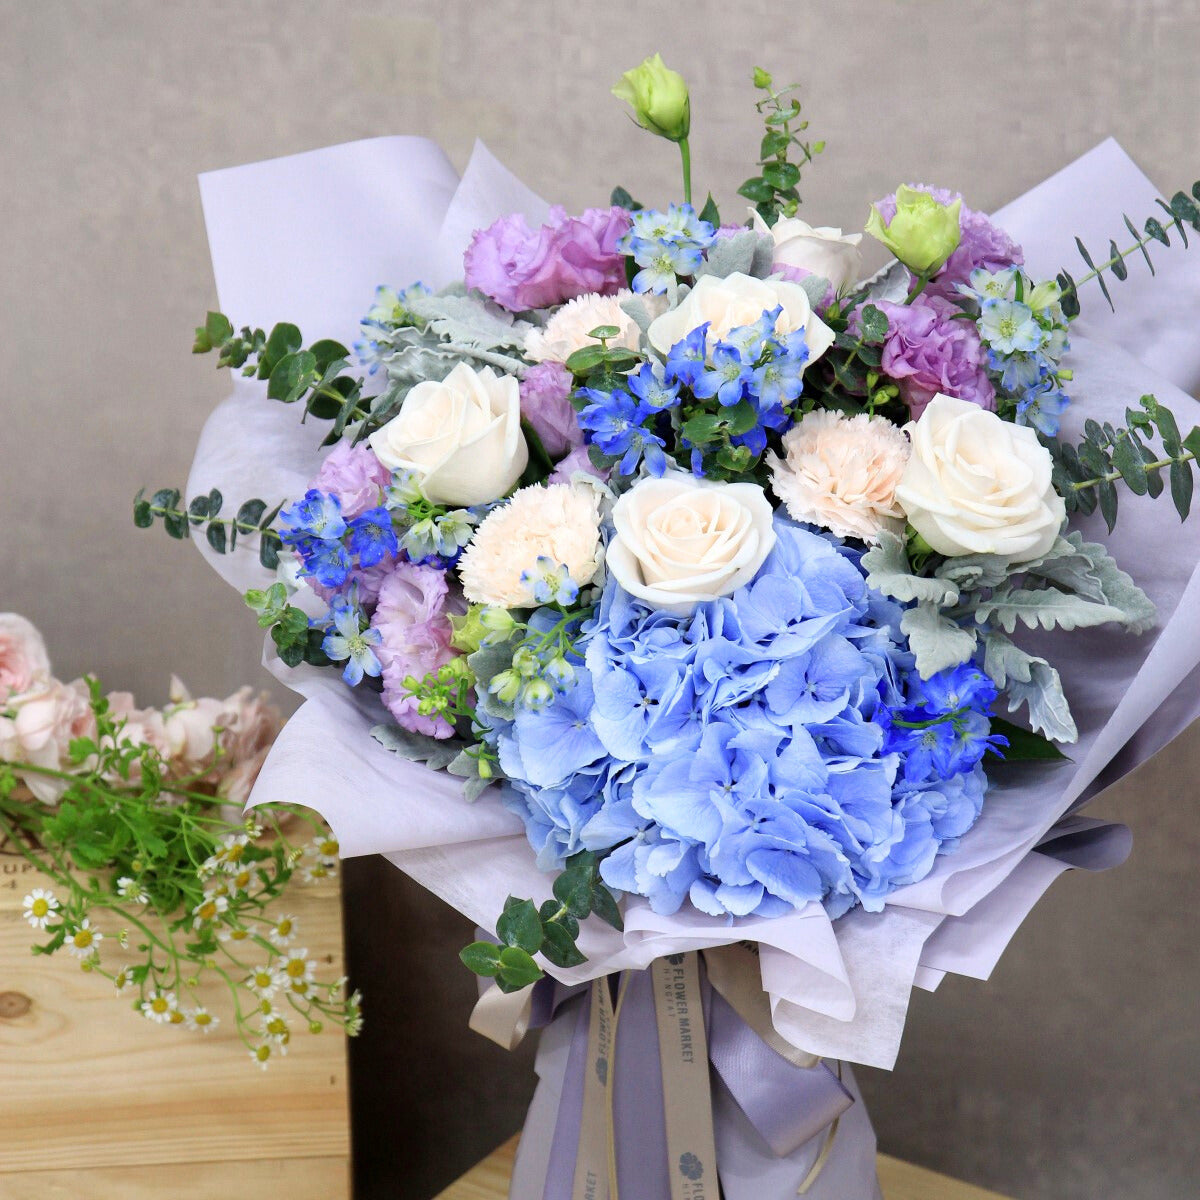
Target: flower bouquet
(157, 883)
(710, 621)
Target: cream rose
(740, 300)
(978, 485)
(461, 436)
(679, 541)
(821, 249)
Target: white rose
(740, 300)
(978, 485)
(461, 436)
(680, 541)
(823, 250)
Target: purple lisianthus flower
(545, 405)
(577, 460)
(928, 351)
(522, 268)
(413, 622)
(983, 244)
(355, 476)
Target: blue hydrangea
(754, 755)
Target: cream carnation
(556, 521)
(569, 329)
(841, 473)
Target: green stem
(1113, 476)
(685, 154)
(917, 288)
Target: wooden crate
(98, 1103)
(899, 1181)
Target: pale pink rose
(140, 726)
(191, 728)
(39, 729)
(23, 659)
(253, 723)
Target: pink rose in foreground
(522, 268)
(23, 658)
(252, 724)
(40, 729)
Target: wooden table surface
(899, 1180)
(97, 1103)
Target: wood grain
(99, 1100)
(899, 1180)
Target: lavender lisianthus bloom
(522, 268)
(982, 244)
(355, 476)
(545, 405)
(928, 351)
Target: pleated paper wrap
(308, 238)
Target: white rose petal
(680, 541)
(821, 249)
(739, 300)
(976, 484)
(461, 436)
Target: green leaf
(198, 510)
(710, 212)
(520, 926)
(937, 641)
(284, 339)
(1181, 487)
(551, 911)
(775, 142)
(218, 328)
(781, 175)
(757, 190)
(1030, 681)
(291, 376)
(268, 550)
(560, 949)
(482, 958)
(327, 351)
(1116, 262)
(586, 360)
(1024, 745)
(143, 518)
(1128, 461)
(1155, 230)
(620, 198)
(874, 325)
(215, 535)
(1108, 503)
(604, 905)
(251, 513)
(888, 572)
(1141, 243)
(573, 889)
(517, 969)
(703, 428)
(1185, 210)
(1087, 258)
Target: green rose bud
(922, 234)
(658, 97)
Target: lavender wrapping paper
(308, 238)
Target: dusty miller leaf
(1045, 608)
(1026, 679)
(888, 572)
(417, 747)
(733, 255)
(468, 322)
(937, 642)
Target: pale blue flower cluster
(666, 245)
(737, 757)
(1025, 331)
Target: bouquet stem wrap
(657, 1082)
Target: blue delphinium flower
(550, 582)
(350, 640)
(390, 311)
(615, 422)
(1042, 407)
(1008, 326)
(372, 537)
(651, 389)
(750, 757)
(666, 245)
(686, 360)
(314, 527)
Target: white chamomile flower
(200, 1019)
(261, 1055)
(159, 1007)
(325, 847)
(40, 906)
(295, 971)
(233, 848)
(84, 940)
(262, 981)
(241, 879)
(210, 866)
(122, 979)
(128, 888)
(283, 932)
(276, 1029)
(233, 933)
(317, 870)
(209, 910)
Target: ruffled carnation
(570, 327)
(983, 244)
(545, 405)
(928, 351)
(413, 621)
(521, 268)
(556, 521)
(841, 473)
(23, 658)
(355, 476)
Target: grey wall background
(1075, 1072)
